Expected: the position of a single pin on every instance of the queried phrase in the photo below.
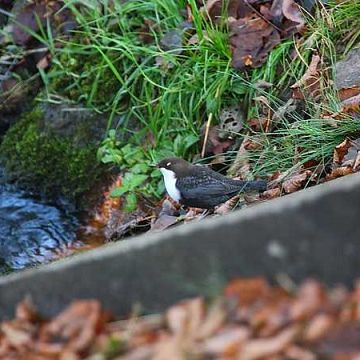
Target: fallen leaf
(44, 62)
(251, 40)
(295, 181)
(309, 84)
(351, 104)
(218, 140)
(236, 9)
(18, 335)
(258, 124)
(247, 290)
(347, 93)
(340, 151)
(282, 111)
(343, 339)
(271, 194)
(264, 348)
(215, 318)
(297, 353)
(166, 217)
(231, 121)
(311, 297)
(184, 319)
(25, 311)
(346, 159)
(227, 342)
(227, 206)
(292, 12)
(318, 327)
(340, 171)
(76, 326)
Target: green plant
(165, 94)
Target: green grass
(108, 67)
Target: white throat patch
(170, 184)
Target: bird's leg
(193, 213)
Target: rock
(348, 70)
(52, 151)
(81, 124)
(16, 97)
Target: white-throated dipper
(200, 187)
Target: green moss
(94, 82)
(46, 163)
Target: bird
(200, 187)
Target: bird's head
(179, 167)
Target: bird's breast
(170, 184)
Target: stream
(33, 232)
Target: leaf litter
(256, 27)
(250, 320)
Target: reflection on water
(32, 232)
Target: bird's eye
(168, 164)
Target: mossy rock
(49, 162)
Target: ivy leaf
(132, 181)
(140, 168)
(129, 183)
(118, 191)
(131, 202)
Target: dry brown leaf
(214, 320)
(264, 348)
(77, 325)
(347, 93)
(247, 290)
(292, 12)
(297, 353)
(346, 159)
(309, 84)
(340, 151)
(318, 327)
(215, 143)
(226, 343)
(340, 171)
(184, 319)
(296, 181)
(166, 217)
(310, 73)
(344, 339)
(227, 206)
(241, 165)
(351, 104)
(236, 9)
(163, 222)
(44, 62)
(251, 144)
(311, 297)
(18, 335)
(25, 311)
(251, 39)
(271, 194)
(140, 353)
(356, 166)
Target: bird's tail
(254, 185)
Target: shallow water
(32, 232)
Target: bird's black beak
(152, 165)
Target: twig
(262, 16)
(207, 128)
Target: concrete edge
(277, 205)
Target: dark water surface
(32, 232)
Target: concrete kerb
(309, 233)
